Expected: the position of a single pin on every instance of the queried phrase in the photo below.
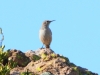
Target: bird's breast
(45, 36)
(45, 33)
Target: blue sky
(76, 31)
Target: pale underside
(45, 36)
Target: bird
(45, 33)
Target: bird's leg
(47, 46)
(42, 46)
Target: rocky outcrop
(19, 57)
(44, 62)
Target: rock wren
(45, 33)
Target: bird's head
(47, 22)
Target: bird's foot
(41, 48)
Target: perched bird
(45, 33)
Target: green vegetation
(72, 64)
(5, 68)
(76, 69)
(26, 73)
(38, 69)
(35, 57)
(43, 56)
(53, 55)
(67, 60)
(3, 55)
(88, 73)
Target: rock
(16, 71)
(46, 73)
(41, 51)
(32, 56)
(18, 57)
(29, 53)
(48, 63)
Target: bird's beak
(52, 20)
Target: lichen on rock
(43, 62)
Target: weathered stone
(49, 62)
